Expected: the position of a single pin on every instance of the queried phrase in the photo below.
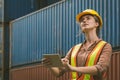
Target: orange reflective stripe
(74, 75)
(101, 45)
(93, 57)
(82, 78)
(91, 60)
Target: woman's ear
(97, 24)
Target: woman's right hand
(48, 64)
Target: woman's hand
(66, 64)
(48, 64)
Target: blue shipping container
(16, 8)
(54, 29)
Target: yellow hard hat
(89, 11)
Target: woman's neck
(91, 36)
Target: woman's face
(87, 23)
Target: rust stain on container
(39, 72)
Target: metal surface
(34, 73)
(14, 9)
(0, 61)
(114, 69)
(54, 29)
(39, 72)
(5, 51)
(1, 10)
(1, 38)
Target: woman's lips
(84, 25)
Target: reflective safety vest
(91, 60)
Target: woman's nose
(84, 20)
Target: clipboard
(55, 59)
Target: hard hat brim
(85, 13)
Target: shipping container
(114, 69)
(1, 48)
(0, 75)
(1, 13)
(1, 9)
(54, 29)
(16, 8)
(38, 72)
(1, 37)
(0, 61)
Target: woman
(89, 60)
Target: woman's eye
(81, 20)
(88, 18)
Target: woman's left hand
(66, 64)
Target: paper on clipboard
(55, 59)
